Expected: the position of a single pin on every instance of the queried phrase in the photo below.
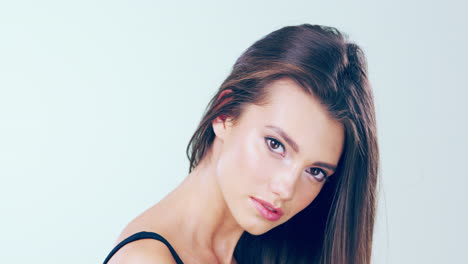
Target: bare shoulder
(144, 251)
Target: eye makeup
(273, 144)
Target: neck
(203, 220)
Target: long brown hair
(337, 227)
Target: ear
(222, 126)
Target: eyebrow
(295, 147)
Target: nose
(284, 183)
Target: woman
(283, 166)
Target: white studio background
(98, 100)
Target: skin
(204, 217)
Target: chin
(258, 232)
(256, 228)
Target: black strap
(144, 235)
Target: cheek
(306, 194)
(247, 163)
(258, 164)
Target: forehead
(301, 116)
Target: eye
(274, 145)
(318, 174)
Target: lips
(267, 210)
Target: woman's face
(276, 153)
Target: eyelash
(325, 177)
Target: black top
(144, 235)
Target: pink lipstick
(267, 210)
